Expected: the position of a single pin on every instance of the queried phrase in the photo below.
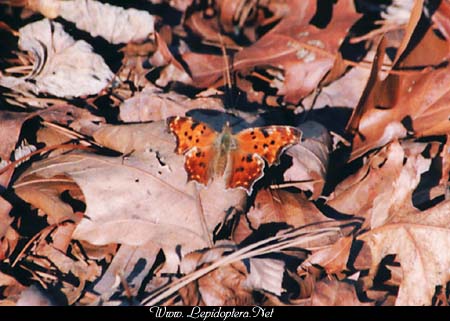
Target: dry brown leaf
(8, 243)
(11, 125)
(335, 293)
(209, 29)
(53, 262)
(150, 210)
(80, 120)
(343, 92)
(414, 103)
(310, 159)
(8, 236)
(267, 275)
(332, 258)
(130, 267)
(226, 285)
(173, 71)
(63, 67)
(5, 219)
(34, 296)
(445, 155)
(10, 291)
(419, 241)
(45, 194)
(299, 51)
(387, 183)
(277, 206)
(440, 18)
(152, 104)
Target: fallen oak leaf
(404, 104)
(417, 241)
(387, 180)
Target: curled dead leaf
(63, 67)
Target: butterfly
(240, 157)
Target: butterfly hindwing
(196, 141)
(268, 142)
(246, 169)
(198, 164)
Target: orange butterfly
(239, 157)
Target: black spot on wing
(265, 132)
(249, 158)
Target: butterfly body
(239, 158)
(224, 144)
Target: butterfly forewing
(198, 164)
(196, 141)
(268, 142)
(190, 133)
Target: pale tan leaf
(45, 194)
(115, 24)
(387, 182)
(332, 258)
(34, 296)
(131, 265)
(151, 104)
(277, 206)
(10, 288)
(226, 285)
(5, 219)
(310, 159)
(63, 67)
(266, 274)
(419, 242)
